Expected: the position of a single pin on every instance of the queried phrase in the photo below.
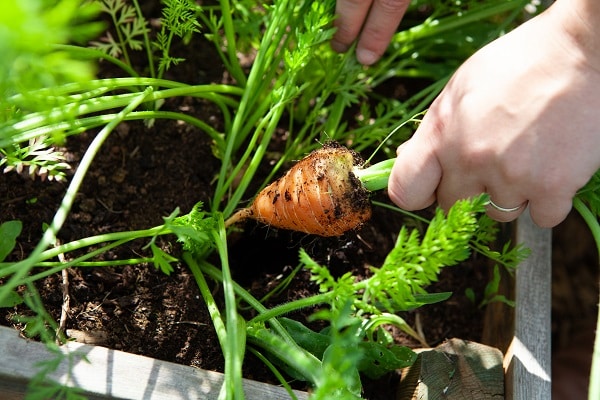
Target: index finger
(415, 175)
(381, 24)
(351, 15)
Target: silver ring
(506, 210)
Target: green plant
(131, 28)
(356, 308)
(587, 203)
(490, 293)
(38, 158)
(29, 33)
(294, 74)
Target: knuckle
(552, 182)
(345, 34)
(511, 172)
(434, 123)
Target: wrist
(579, 20)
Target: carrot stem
(376, 176)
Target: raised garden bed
(101, 373)
(144, 171)
(115, 374)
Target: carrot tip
(239, 216)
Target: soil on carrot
(144, 173)
(320, 190)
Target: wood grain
(114, 374)
(455, 370)
(528, 359)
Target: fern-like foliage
(194, 230)
(509, 256)
(39, 158)
(130, 29)
(415, 262)
(178, 20)
(132, 32)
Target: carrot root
(319, 195)
(238, 216)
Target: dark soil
(142, 174)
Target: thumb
(415, 175)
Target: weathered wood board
(112, 374)
(455, 370)
(528, 358)
(522, 332)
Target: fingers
(351, 17)
(551, 211)
(418, 180)
(375, 21)
(506, 208)
(381, 24)
(415, 175)
(545, 214)
(456, 185)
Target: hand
(375, 21)
(518, 120)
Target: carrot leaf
(194, 230)
(414, 263)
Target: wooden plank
(114, 374)
(455, 370)
(528, 359)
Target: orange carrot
(319, 195)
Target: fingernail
(366, 57)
